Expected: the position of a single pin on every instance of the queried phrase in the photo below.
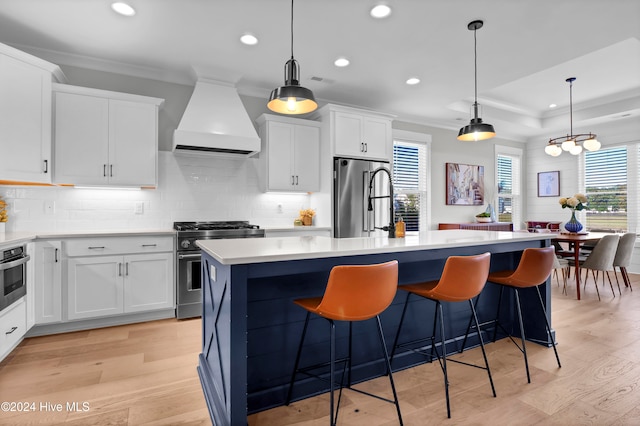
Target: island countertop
(258, 250)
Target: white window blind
(410, 183)
(508, 183)
(606, 188)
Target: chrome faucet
(392, 227)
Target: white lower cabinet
(101, 282)
(94, 287)
(48, 282)
(13, 326)
(148, 282)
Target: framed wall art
(465, 184)
(549, 184)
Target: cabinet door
(48, 282)
(307, 158)
(280, 167)
(149, 282)
(347, 135)
(81, 139)
(95, 286)
(25, 126)
(132, 143)
(377, 138)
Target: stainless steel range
(189, 293)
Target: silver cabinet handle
(119, 269)
(126, 269)
(104, 170)
(46, 166)
(95, 247)
(55, 256)
(12, 330)
(149, 245)
(366, 147)
(297, 179)
(110, 170)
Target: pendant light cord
(570, 80)
(475, 66)
(291, 29)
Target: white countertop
(12, 238)
(257, 250)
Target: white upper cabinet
(290, 154)
(358, 134)
(105, 138)
(25, 108)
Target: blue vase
(573, 225)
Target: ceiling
(526, 50)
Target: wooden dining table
(576, 241)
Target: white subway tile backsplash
(189, 188)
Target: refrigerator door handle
(368, 218)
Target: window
(410, 183)
(605, 180)
(509, 199)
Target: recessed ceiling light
(249, 39)
(123, 9)
(341, 62)
(413, 81)
(552, 105)
(380, 11)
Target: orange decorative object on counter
(400, 228)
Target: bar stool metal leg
(522, 337)
(388, 364)
(297, 363)
(546, 320)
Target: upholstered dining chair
(601, 260)
(622, 258)
(563, 265)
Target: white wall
(189, 188)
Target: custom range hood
(215, 122)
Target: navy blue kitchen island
(251, 328)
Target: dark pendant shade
(292, 98)
(476, 130)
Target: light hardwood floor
(145, 374)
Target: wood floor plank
(145, 374)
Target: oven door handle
(188, 256)
(14, 263)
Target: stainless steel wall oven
(188, 276)
(13, 275)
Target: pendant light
(476, 130)
(292, 98)
(572, 142)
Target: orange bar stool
(534, 268)
(462, 279)
(353, 293)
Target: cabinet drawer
(14, 326)
(105, 246)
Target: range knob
(185, 244)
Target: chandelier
(572, 143)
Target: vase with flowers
(306, 216)
(576, 203)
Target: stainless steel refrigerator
(351, 217)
